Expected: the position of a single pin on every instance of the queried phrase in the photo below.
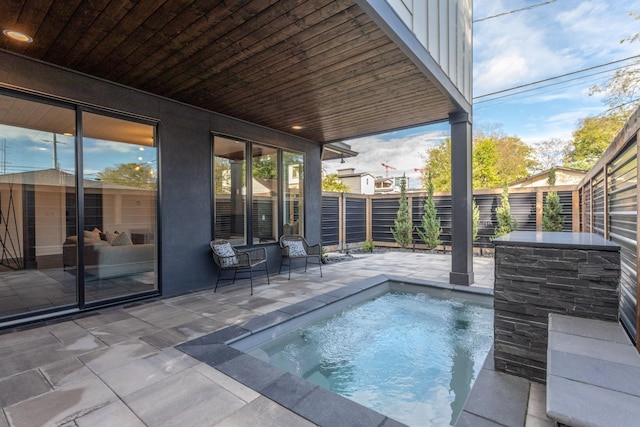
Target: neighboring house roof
(56, 177)
(564, 176)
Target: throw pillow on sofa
(121, 239)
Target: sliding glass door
(37, 211)
(44, 220)
(119, 221)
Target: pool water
(412, 357)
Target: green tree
(438, 165)
(475, 220)
(130, 175)
(333, 183)
(592, 137)
(265, 167)
(403, 228)
(506, 223)
(551, 218)
(497, 158)
(622, 91)
(430, 230)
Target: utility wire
(514, 11)
(552, 84)
(555, 77)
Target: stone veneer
(537, 273)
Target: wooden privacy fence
(348, 220)
(609, 207)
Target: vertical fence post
(369, 217)
(539, 208)
(341, 221)
(575, 211)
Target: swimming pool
(410, 356)
(225, 350)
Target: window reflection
(37, 205)
(265, 193)
(229, 170)
(120, 183)
(293, 215)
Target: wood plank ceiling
(320, 64)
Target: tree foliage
(265, 167)
(622, 91)
(403, 227)
(551, 153)
(551, 218)
(438, 165)
(593, 136)
(497, 159)
(130, 175)
(333, 183)
(475, 220)
(430, 229)
(506, 223)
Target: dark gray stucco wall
(184, 140)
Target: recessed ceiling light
(16, 35)
(296, 127)
(67, 134)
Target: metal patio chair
(227, 257)
(293, 246)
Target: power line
(555, 77)
(514, 11)
(552, 84)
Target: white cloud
(405, 153)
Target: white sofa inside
(103, 259)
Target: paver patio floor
(119, 367)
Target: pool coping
(294, 393)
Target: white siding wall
(444, 29)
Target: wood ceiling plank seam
(281, 57)
(80, 21)
(396, 109)
(9, 19)
(29, 21)
(214, 23)
(211, 43)
(384, 122)
(144, 32)
(96, 27)
(300, 116)
(242, 42)
(50, 30)
(191, 45)
(302, 83)
(354, 83)
(400, 95)
(121, 31)
(257, 70)
(365, 94)
(231, 57)
(317, 68)
(186, 21)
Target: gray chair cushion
(226, 254)
(296, 248)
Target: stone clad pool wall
(537, 273)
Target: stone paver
(117, 366)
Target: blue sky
(560, 37)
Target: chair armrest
(255, 254)
(314, 249)
(242, 257)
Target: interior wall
(184, 141)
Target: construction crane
(387, 167)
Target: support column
(461, 198)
